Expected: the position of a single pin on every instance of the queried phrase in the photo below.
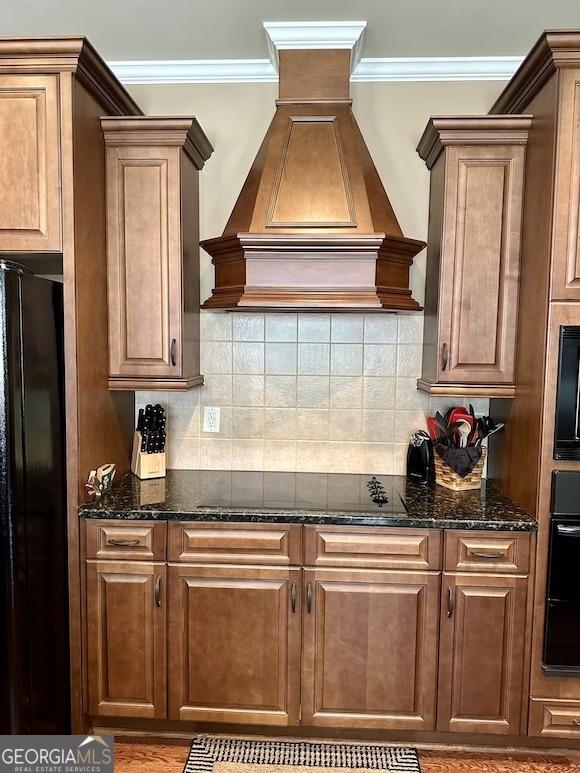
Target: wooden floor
(170, 758)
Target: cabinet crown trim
(443, 131)
(164, 131)
(553, 50)
(20, 55)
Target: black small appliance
(420, 459)
(562, 630)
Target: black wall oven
(562, 631)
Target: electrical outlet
(211, 419)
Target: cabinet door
(234, 644)
(370, 649)
(481, 661)
(480, 258)
(144, 261)
(566, 237)
(126, 639)
(30, 165)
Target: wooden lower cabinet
(481, 657)
(234, 644)
(126, 634)
(370, 649)
(356, 647)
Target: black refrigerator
(34, 664)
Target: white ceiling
(232, 29)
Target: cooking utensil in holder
(445, 476)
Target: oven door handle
(569, 531)
(563, 602)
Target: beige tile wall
(305, 392)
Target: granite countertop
(308, 498)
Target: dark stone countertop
(308, 498)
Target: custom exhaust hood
(313, 227)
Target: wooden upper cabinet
(566, 242)
(126, 639)
(370, 649)
(234, 644)
(153, 250)
(473, 253)
(30, 203)
(481, 659)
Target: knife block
(144, 465)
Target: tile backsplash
(302, 392)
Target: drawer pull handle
(123, 543)
(309, 598)
(576, 722)
(450, 602)
(172, 350)
(158, 592)
(485, 554)
(293, 597)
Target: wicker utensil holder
(445, 476)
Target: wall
(310, 392)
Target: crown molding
(473, 68)
(195, 71)
(437, 68)
(283, 35)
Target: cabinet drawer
(135, 540)
(236, 543)
(559, 718)
(472, 551)
(373, 547)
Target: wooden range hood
(313, 227)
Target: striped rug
(234, 755)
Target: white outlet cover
(211, 419)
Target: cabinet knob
(444, 356)
(450, 602)
(158, 592)
(309, 598)
(172, 350)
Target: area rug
(234, 755)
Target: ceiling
(232, 29)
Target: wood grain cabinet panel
(481, 662)
(373, 547)
(370, 649)
(473, 254)
(566, 259)
(153, 250)
(126, 630)
(235, 543)
(554, 718)
(234, 644)
(133, 541)
(30, 200)
(476, 551)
